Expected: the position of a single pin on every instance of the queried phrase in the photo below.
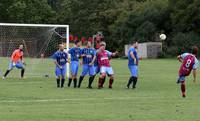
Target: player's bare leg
(183, 89)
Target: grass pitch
(157, 97)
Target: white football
(163, 36)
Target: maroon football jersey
(187, 65)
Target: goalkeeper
(17, 61)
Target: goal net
(40, 42)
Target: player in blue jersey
(133, 65)
(75, 53)
(89, 57)
(60, 60)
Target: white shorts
(107, 70)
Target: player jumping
(60, 60)
(133, 65)
(75, 53)
(104, 63)
(189, 63)
(17, 60)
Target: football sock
(62, 83)
(22, 73)
(100, 82)
(91, 79)
(130, 81)
(75, 82)
(103, 81)
(58, 82)
(70, 81)
(183, 89)
(110, 83)
(7, 72)
(134, 82)
(80, 81)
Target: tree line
(121, 21)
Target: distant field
(157, 97)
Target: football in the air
(163, 37)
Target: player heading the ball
(17, 60)
(189, 63)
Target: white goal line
(75, 99)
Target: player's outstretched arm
(194, 74)
(114, 54)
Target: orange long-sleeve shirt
(17, 55)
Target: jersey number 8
(188, 63)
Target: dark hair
(133, 42)
(76, 42)
(195, 50)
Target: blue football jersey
(90, 53)
(130, 59)
(60, 57)
(75, 53)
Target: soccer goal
(40, 42)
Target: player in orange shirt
(16, 61)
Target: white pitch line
(77, 99)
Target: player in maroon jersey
(189, 63)
(104, 64)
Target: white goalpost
(38, 40)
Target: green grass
(157, 97)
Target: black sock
(69, 83)
(58, 82)
(130, 81)
(75, 82)
(7, 72)
(62, 83)
(134, 82)
(91, 79)
(22, 73)
(80, 81)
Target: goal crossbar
(33, 25)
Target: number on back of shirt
(188, 63)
